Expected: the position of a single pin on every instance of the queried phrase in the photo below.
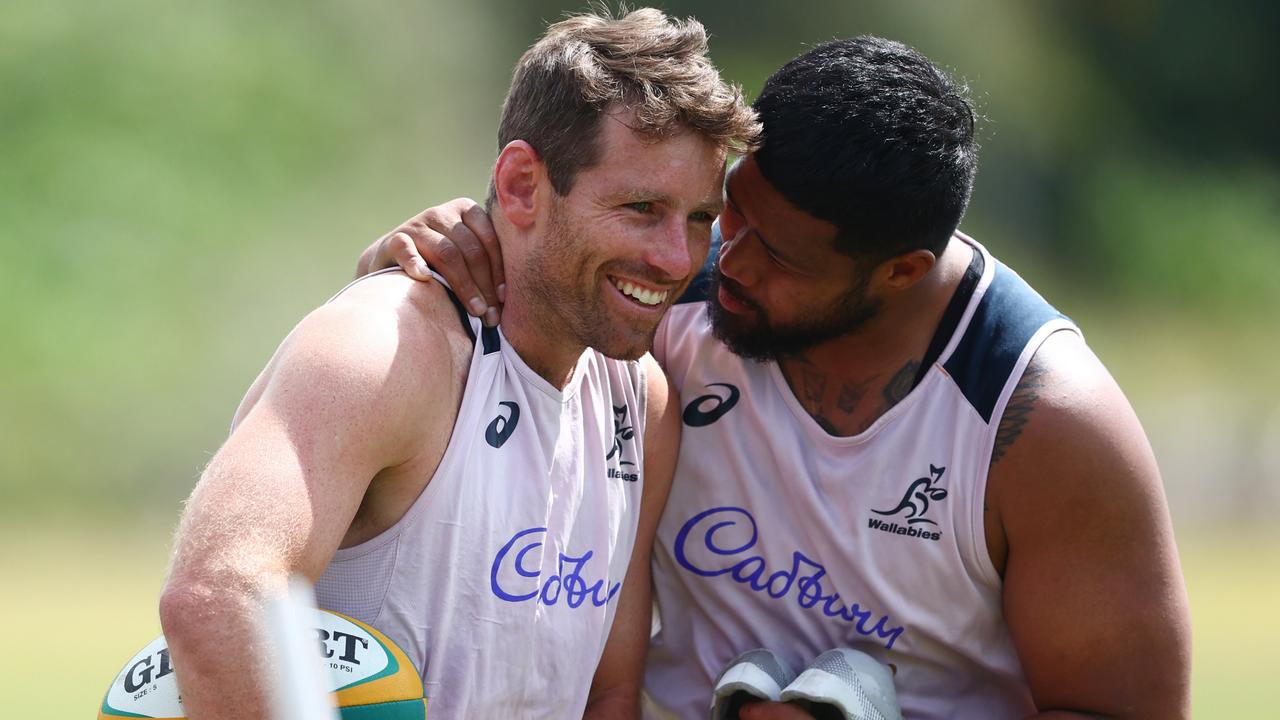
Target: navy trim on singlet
(1006, 318)
(488, 336)
(952, 315)
(462, 314)
(701, 286)
(491, 340)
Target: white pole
(297, 680)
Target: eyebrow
(714, 206)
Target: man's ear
(517, 176)
(902, 271)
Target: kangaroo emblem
(916, 499)
(621, 433)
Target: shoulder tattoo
(1018, 411)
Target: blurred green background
(181, 182)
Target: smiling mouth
(640, 294)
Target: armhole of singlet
(1006, 330)
(982, 467)
(392, 534)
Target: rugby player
(479, 494)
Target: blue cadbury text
(721, 530)
(567, 583)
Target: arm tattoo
(1016, 413)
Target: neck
(539, 340)
(847, 383)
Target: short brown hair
(653, 66)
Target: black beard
(761, 341)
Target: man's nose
(737, 259)
(671, 254)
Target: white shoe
(844, 684)
(753, 675)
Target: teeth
(644, 296)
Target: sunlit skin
(641, 217)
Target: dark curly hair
(870, 136)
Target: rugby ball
(370, 675)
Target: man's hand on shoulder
(1079, 526)
(458, 241)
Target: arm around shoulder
(1079, 526)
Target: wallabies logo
(622, 432)
(918, 496)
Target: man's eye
(641, 207)
(701, 217)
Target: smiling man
(891, 442)
(479, 494)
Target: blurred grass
(1234, 584)
(87, 596)
(82, 599)
(179, 186)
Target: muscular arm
(339, 403)
(615, 690)
(1079, 526)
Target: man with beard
(892, 443)
(479, 494)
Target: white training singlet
(779, 535)
(502, 579)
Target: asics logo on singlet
(512, 580)
(502, 426)
(915, 502)
(706, 409)
(718, 543)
